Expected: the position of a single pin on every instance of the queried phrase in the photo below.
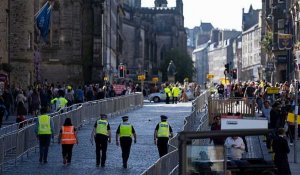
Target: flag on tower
(42, 20)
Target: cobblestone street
(143, 154)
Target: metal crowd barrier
(18, 142)
(168, 164)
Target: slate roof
(206, 27)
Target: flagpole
(44, 6)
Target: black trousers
(67, 151)
(167, 99)
(1, 118)
(175, 99)
(44, 140)
(101, 148)
(125, 143)
(162, 145)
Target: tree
(183, 63)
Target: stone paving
(143, 154)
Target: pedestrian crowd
(276, 103)
(23, 103)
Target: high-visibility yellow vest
(102, 127)
(60, 102)
(168, 91)
(125, 129)
(176, 91)
(44, 125)
(163, 129)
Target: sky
(223, 14)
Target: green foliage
(183, 63)
(267, 43)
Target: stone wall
(21, 41)
(4, 31)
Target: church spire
(161, 3)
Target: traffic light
(226, 71)
(234, 73)
(121, 71)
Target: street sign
(272, 90)
(209, 76)
(141, 77)
(155, 79)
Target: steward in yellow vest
(59, 102)
(44, 130)
(162, 133)
(101, 133)
(175, 93)
(168, 93)
(125, 132)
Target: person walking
(59, 102)
(281, 149)
(124, 133)
(44, 130)
(2, 110)
(67, 137)
(101, 134)
(163, 131)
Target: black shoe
(97, 165)
(40, 160)
(102, 165)
(45, 161)
(125, 166)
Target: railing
(217, 106)
(16, 143)
(168, 164)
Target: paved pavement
(143, 154)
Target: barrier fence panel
(1, 152)
(168, 164)
(15, 143)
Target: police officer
(162, 133)
(101, 133)
(124, 134)
(44, 130)
(168, 93)
(175, 93)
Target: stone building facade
(253, 57)
(220, 52)
(148, 34)
(88, 39)
(4, 26)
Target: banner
(285, 41)
(42, 20)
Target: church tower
(179, 6)
(161, 3)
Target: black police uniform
(162, 142)
(101, 145)
(125, 143)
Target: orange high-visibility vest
(68, 135)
